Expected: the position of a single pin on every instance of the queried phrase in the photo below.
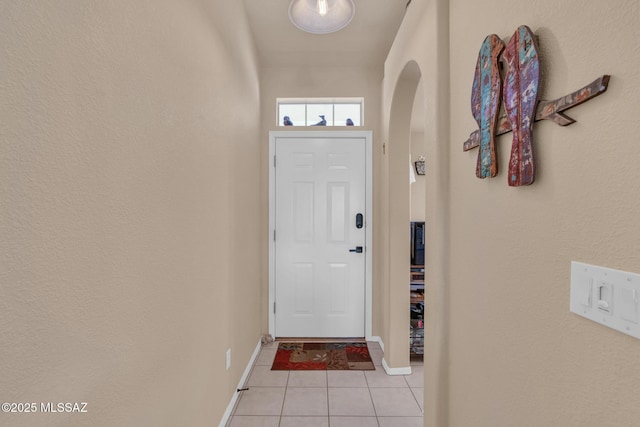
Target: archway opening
(399, 213)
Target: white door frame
(368, 136)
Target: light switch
(604, 296)
(584, 292)
(628, 306)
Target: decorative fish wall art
(485, 103)
(519, 90)
(520, 99)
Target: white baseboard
(243, 379)
(390, 371)
(377, 339)
(395, 371)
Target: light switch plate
(606, 296)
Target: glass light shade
(306, 15)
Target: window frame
(320, 101)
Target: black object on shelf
(417, 311)
(417, 242)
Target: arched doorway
(398, 193)
(431, 84)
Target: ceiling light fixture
(321, 16)
(322, 7)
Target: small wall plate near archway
(420, 166)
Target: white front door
(320, 196)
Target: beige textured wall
(516, 355)
(287, 82)
(512, 247)
(129, 179)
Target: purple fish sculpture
(520, 99)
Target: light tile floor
(329, 398)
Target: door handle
(359, 221)
(357, 249)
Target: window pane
(295, 112)
(320, 111)
(315, 111)
(347, 111)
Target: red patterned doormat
(315, 356)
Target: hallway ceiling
(364, 42)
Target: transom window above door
(320, 111)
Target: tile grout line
(372, 402)
(284, 398)
(326, 377)
(371, 398)
(417, 402)
(413, 393)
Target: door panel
(337, 206)
(303, 211)
(319, 190)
